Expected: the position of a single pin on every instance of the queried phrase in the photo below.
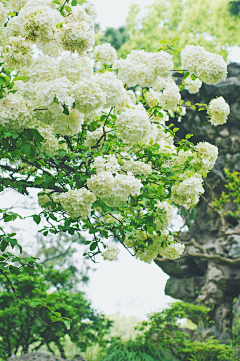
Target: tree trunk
(209, 271)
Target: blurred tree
(116, 37)
(22, 331)
(199, 22)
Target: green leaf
(23, 78)
(93, 246)
(59, 25)
(186, 75)
(65, 110)
(11, 13)
(67, 323)
(175, 39)
(74, 2)
(164, 41)
(36, 218)
(54, 318)
(68, 9)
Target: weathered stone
(40, 356)
(217, 282)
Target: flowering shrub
(93, 147)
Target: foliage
(21, 329)
(199, 22)
(232, 195)
(116, 37)
(162, 339)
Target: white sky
(113, 13)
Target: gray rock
(209, 280)
(40, 356)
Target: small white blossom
(170, 97)
(105, 54)
(213, 69)
(192, 56)
(133, 125)
(192, 86)
(218, 110)
(188, 191)
(173, 251)
(77, 203)
(110, 253)
(113, 88)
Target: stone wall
(209, 272)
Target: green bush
(162, 339)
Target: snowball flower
(3, 15)
(75, 68)
(160, 63)
(192, 56)
(68, 124)
(112, 86)
(114, 190)
(213, 69)
(105, 54)
(170, 97)
(188, 191)
(50, 143)
(165, 215)
(192, 86)
(88, 95)
(152, 98)
(136, 167)
(173, 251)
(218, 110)
(106, 163)
(110, 253)
(133, 125)
(38, 23)
(93, 137)
(15, 111)
(205, 156)
(78, 202)
(78, 32)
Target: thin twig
(20, 298)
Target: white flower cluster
(3, 15)
(105, 54)
(93, 137)
(170, 96)
(152, 98)
(165, 216)
(133, 125)
(142, 68)
(113, 88)
(77, 203)
(114, 191)
(15, 111)
(89, 95)
(136, 167)
(205, 156)
(218, 110)
(78, 31)
(191, 85)
(110, 253)
(187, 192)
(211, 68)
(173, 250)
(50, 144)
(107, 163)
